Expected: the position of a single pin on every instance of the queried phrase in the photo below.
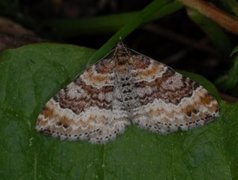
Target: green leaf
(229, 82)
(235, 51)
(30, 75)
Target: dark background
(174, 39)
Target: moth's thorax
(122, 65)
(125, 80)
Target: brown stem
(228, 22)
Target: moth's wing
(168, 100)
(83, 110)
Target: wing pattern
(127, 87)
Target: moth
(122, 89)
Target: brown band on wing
(140, 62)
(79, 104)
(93, 90)
(160, 90)
(205, 100)
(105, 66)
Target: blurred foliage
(215, 33)
(9, 8)
(229, 81)
(105, 24)
(230, 5)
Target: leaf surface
(30, 75)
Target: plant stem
(228, 22)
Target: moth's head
(121, 53)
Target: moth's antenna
(121, 43)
